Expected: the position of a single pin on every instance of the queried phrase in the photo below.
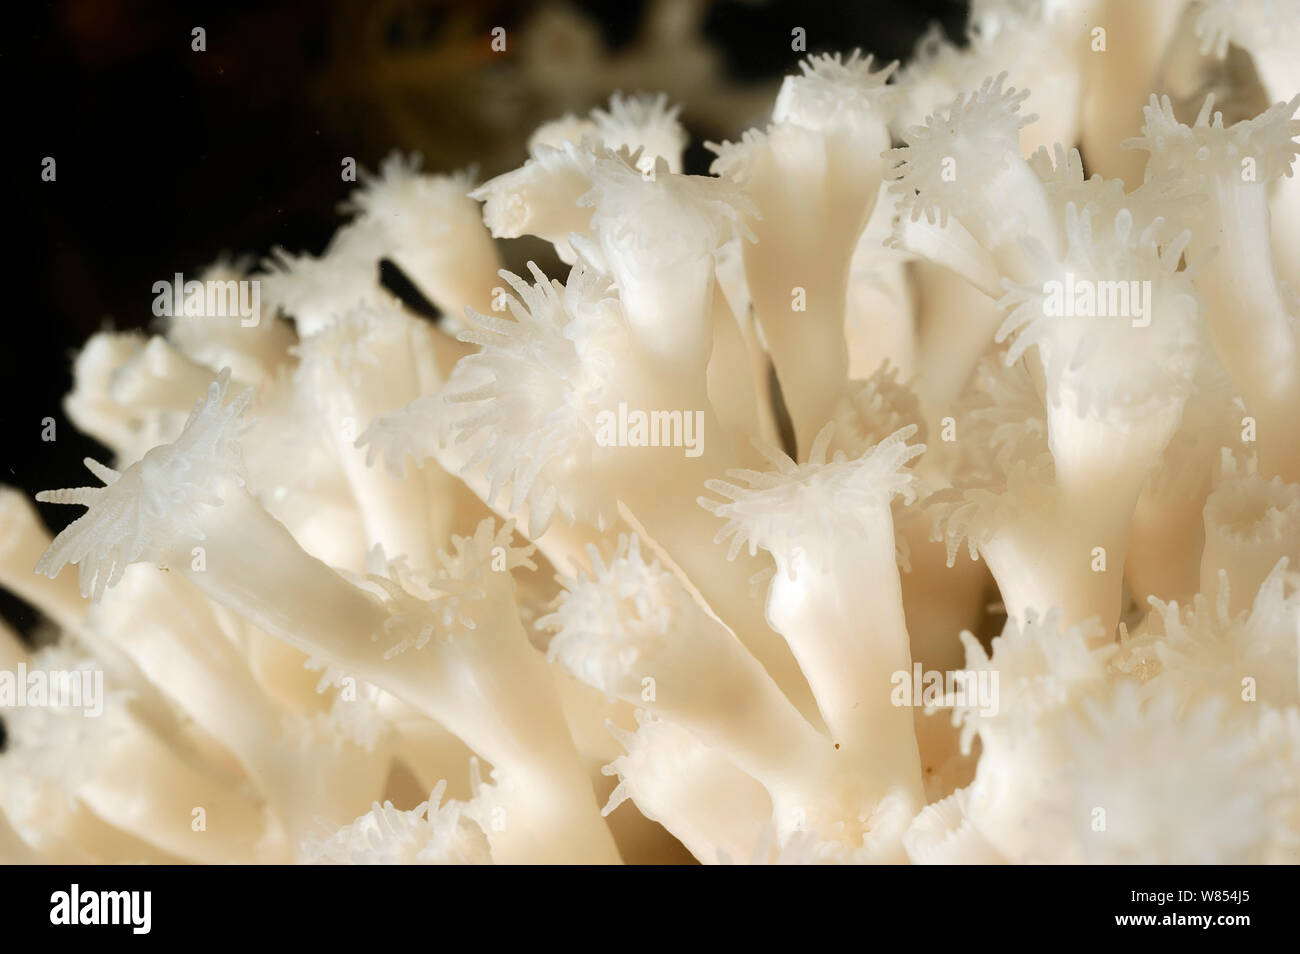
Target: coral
(555, 550)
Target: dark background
(167, 157)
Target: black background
(369, 908)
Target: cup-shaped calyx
(1095, 316)
(525, 408)
(1101, 293)
(153, 511)
(315, 290)
(656, 234)
(541, 197)
(1269, 30)
(1250, 320)
(836, 595)
(966, 195)
(1227, 640)
(430, 227)
(1251, 523)
(814, 175)
(1039, 45)
(1005, 504)
(184, 507)
(644, 123)
(873, 408)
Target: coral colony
(922, 485)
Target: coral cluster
(921, 485)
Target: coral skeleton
(952, 514)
